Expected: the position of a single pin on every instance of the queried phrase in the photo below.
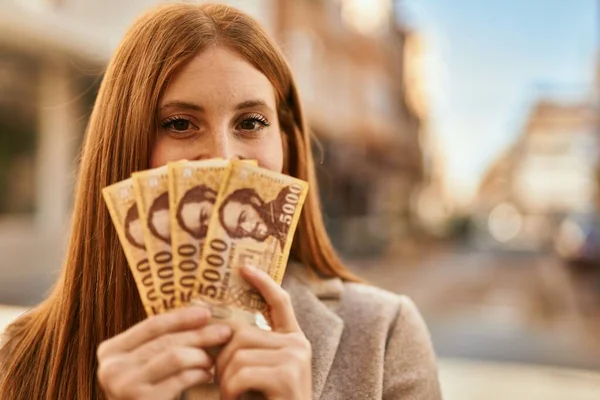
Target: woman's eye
(253, 123)
(177, 124)
(249, 124)
(181, 125)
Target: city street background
(458, 159)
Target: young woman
(195, 82)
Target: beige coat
(367, 343)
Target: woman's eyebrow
(182, 105)
(186, 105)
(252, 103)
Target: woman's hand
(161, 356)
(276, 363)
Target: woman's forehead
(218, 76)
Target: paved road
(497, 306)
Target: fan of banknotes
(187, 227)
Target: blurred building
(349, 62)
(50, 60)
(353, 67)
(549, 173)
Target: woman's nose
(220, 145)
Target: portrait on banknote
(133, 228)
(195, 209)
(245, 214)
(158, 218)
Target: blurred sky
(486, 62)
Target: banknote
(193, 189)
(253, 222)
(151, 190)
(122, 206)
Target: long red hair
(50, 352)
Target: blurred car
(577, 241)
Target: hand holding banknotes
(198, 223)
(161, 356)
(276, 363)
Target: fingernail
(223, 331)
(198, 302)
(203, 312)
(200, 308)
(251, 269)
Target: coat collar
(322, 327)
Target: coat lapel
(322, 327)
